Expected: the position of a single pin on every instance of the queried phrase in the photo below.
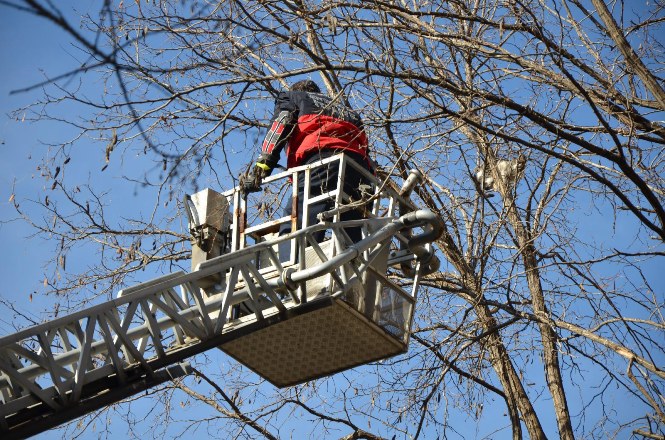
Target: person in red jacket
(312, 126)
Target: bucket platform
(332, 310)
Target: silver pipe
(415, 177)
(413, 219)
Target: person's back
(306, 121)
(312, 126)
(320, 123)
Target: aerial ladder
(292, 307)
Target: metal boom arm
(62, 369)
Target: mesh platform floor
(320, 341)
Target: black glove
(252, 181)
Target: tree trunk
(633, 61)
(547, 334)
(517, 400)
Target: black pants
(323, 179)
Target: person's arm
(278, 134)
(274, 142)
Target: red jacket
(306, 122)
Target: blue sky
(29, 49)
(26, 51)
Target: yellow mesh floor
(311, 345)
